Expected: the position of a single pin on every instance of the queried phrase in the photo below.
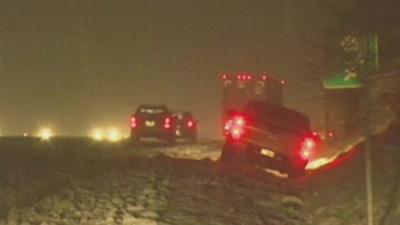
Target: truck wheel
(193, 139)
(233, 157)
(296, 171)
(170, 140)
(135, 141)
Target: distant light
(97, 134)
(114, 135)
(264, 77)
(283, 82)
(190, 123)
(25, 134)
(224, 77)
(45, 133)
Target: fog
(73, 65)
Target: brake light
(190, 123)
(235, 127)
(133, 122)
(227, 126)
(307, 148)
(167, 123)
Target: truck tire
(135, 140)
(233, 157)
(170, 140)
(193, 139)
(296, 171)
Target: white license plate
(268, 153)
(178, 133)
(150, 123)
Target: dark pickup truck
(269, 136)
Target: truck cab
(259, 131)
(270, 137)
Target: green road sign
(342, 81)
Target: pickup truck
(269, 136)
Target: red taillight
(133, 122)
(307, 148)
(190, 123)
(235, 127)
(167, 123)
(227, 126)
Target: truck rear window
(278, 116)
(151, 111)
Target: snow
(143, 187)
(184, 184)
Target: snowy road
(78, 182)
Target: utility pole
(374, 58)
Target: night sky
(77, 64)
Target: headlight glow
(114, 135)
(45, 133)
(97, 134)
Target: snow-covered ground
(182, 184)
(128, 187)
